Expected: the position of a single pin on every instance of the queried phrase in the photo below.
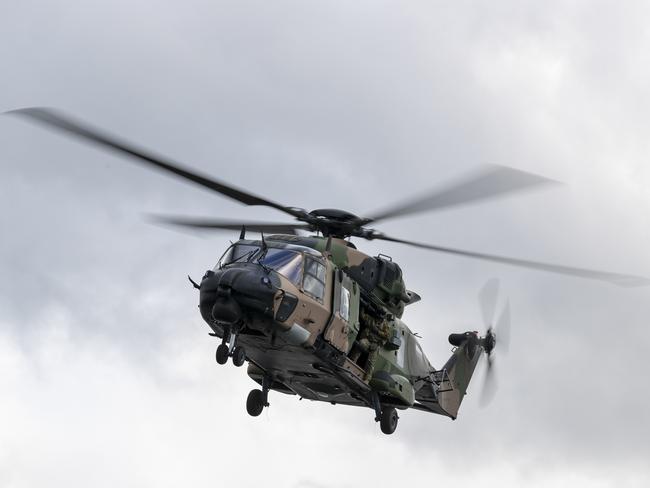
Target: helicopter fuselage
(299, 316)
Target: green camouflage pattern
(388, 292)
(372, 352)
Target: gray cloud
(104, 358)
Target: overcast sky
(107, 374)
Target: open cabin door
(343, 327)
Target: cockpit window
(314, 283)
(287, 263)
(316, 269)
(238, 252)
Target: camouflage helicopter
(316, 317)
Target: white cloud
(106, 371)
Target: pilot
(372, 337)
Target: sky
(107, 372)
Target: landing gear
(238, 356)
(388, 421)
(386, 416)
(258, 399)
(255, 403)
(227, 348)
(222, 353)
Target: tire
(388, 420)
(238, 356)
(255, 403)
(222, 354)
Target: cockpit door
(343, 327)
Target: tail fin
(458, 370)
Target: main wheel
(388, 421)
(238, 356)
(222, 354)
(255, 403)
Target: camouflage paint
(400, 375)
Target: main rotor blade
(614, 278)
(65, 123)
(488, 300)
(212, 224)
(489, 182)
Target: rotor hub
(333, 222)
(489, 341)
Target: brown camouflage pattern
(362, 359)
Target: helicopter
(316, 317)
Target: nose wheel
(238, 356)
(223, 351)
(228, 348)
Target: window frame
(344, 291)
(301, 267)
(220, 264)
(306, 273)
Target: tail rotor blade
(503, 329)
(490, 385)
(488, 300)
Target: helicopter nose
(228, 294)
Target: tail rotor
(499, 329)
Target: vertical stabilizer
(458, 370)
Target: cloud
(107, 370)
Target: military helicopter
(314, 316)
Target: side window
(314, 281)
(419, 354)
(417, 361)
(401, 352)
(344, 304)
